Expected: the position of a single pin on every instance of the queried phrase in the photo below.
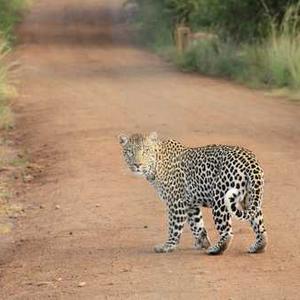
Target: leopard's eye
(129, 153)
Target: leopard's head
(140, 153)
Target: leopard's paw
(259, 245)
(164, 248)
(202, 243)
(214, 250)
(219, 247)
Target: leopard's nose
(137, 165)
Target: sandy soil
(87, 218)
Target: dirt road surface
(87, 218)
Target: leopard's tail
(234, 200)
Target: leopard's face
(139, 152)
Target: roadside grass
(281, 52)
(271, 63)
(213, 58)
(6, 90)
(11, 13)
(12, 166)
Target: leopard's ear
(153, 136)
(123, 139)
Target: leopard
(227, 179)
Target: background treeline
(258, 41)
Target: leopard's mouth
(137, 171)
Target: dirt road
(87, 218)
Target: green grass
(280, 54)
(10, 14)
(272, 63)
(213, 58)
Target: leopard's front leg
(177, 216)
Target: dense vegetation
(258, 40)
(10, 13)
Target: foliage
(246, 20)
(274, 62)
(181, 11)
(10, 14)
(258, 44)
(280, 54)
(213, 58)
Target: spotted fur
(227, 179)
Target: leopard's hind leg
(252, 213)
(257, 224)
(257, 220)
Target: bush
(214, 58)
(247, 20)
(280, 54)
(260, 49)
(274, 62)
(10, 14)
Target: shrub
(280, 54)
(10, 14)
(246, 20)
(214, 58)
(260, 49)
